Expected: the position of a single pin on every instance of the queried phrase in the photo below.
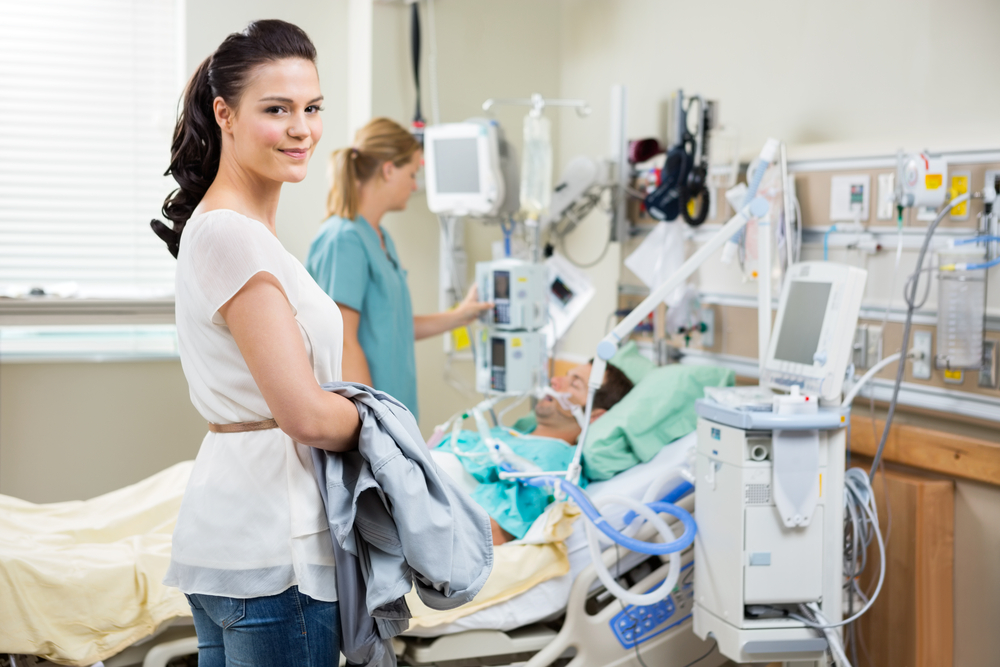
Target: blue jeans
(284, 629)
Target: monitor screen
(501, 284)
(457, 165)
(499, 351)
(802, 325)
(561, 292)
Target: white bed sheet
(550, 597)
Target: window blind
(88, 101)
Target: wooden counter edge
(928, 449)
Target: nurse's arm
(355, 363)
(425, 326)
(261, 320)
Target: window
(88, 101)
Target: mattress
(549, 598)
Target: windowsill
(67, 330)
(88, 343)
(49, 311)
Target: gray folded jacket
(397, 523)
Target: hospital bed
(571, 615)
(133, 526)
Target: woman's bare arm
(261, 320)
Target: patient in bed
(514, 507)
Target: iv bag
(536, 166)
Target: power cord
(910, 295)
(715, 645)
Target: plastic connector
(729, 252)
(769, 150)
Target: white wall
(808, 71)
(859, 77)
(303, 205)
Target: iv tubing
(963, 266)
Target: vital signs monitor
(511, 362)
(812, 341)
(463, 171)
(517, 290)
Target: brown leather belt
(242, 427)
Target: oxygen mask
(562, 399)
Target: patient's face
(573, 383)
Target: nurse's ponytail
(197, 145)
(381, 140)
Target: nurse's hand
(471, 307)
(425, 326)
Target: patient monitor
(510, 362)
(517, 290)
(812, 342)
(463, 168)
(769, 480)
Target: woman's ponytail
(344, 186)
(197, 146)
(381, 140)
(194, 157)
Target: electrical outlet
(886, 204)
(867, 345)
(960, 183)
(991, 177)
(708, 328)
(874, 353)
(988, 372)
(861, 346)
(922, 357)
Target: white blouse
(252, 521)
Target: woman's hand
(425, 326)
(470, 308)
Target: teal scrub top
(346, 259)
(513, 505)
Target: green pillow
(629, 360)
(657, 411)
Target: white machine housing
(510, 362)
(747, 556)
(463, 173)
(812, 343)
(518, 291)
(569, 290)
(921, 180)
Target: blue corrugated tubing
(675, 494)
(630, 543)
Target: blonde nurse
(355, 260)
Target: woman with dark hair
(257, 337)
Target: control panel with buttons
(635, 625)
